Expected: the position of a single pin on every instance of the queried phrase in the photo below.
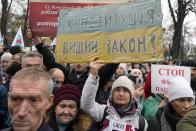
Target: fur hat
(135, 70)
(123, 81)
(179, 87)
(123, 66)
(6, 56)
(67, 92)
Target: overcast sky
(190, 19)
(165, 10)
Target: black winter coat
(105, 72)
(170, 115)
(43, 127)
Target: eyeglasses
(57, 82)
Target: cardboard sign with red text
(43, 16)
(160, 74)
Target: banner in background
(160, 74)
(126, 32)
(43, 17)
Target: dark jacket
(105, 72)
(43, 127)
(5, 119)
(167, 113)
(188, 122)
(102, 96)
(82, 122)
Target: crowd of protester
(39, 94)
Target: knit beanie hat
(15, 49)
(123, 81)
(179, 87)
(67, 92)
(123, 66)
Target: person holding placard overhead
(121, 111)
(181, 100)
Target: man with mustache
(29, 97)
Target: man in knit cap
(120, 113)
(181, 100)
(66, 114)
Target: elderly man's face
(66, 111)
(182, 105)
(58, 78)
(36, 62)
(27, 102)
(6, 63)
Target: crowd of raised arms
(39, 94)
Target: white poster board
(160, 74)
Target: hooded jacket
(188, 122)
(164, 120)
(97, 111)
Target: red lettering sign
(43, 17)
(171, 72)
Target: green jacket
(188, 122)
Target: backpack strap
(141, 123)
(100, 124)
(105, 114)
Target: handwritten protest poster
(160, 74)
(126, 32)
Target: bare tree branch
(171, 11)
(8, 10)
(184, 7)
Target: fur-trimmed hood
(84, 122)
